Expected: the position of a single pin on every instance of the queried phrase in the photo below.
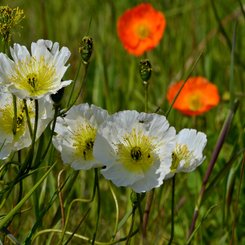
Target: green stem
(28, 118)
(132, 224)
(231, 84)
(236, 209)
(16, 209)
(15, 114)
(146, 85)
(30, 156)
(117, 210)
(98, 204)
(77, 200)
(189, 74)
(81, 90)
(56, 112)
(149, 200)
(172, 212)
(35, 124)
(82, 237)
(74, 83)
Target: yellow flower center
(142, 31)
(7, 120)
(195, 102)
(34, 76)
(84, 141)
(181, 152)
(136, 151)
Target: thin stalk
(36, 123)
(232, 241)
(79, 224)
(61, 198)
(231, 85)
(74, 83)
(132, 224)
(15, 114)
(117, 210)
(28, 118)
(81, 90)
(146, 85)
(29, 159)
(149, 200)
(76, 200)
(215, 154)
(106, 85)
(82, 237)
(242, 8)
(172, 211)
(56, 112)
(98, 204)
(16, 209)
(186, 79)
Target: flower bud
(145, 70)
(86, 49)
(56, 98)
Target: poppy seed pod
(86, 49)
(145, 70)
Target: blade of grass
(221, 139)
(16, 209)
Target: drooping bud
(86, 49)
(56, 98)
(145, 70)
(9, 18)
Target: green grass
(113, 83)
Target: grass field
(40, 204)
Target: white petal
(121, 177)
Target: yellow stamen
(34, 76)
(181, 152)
(84, 141)
(7, 117)
(136, 152)
(142, 31)
(195, 102)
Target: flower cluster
(136, 150)
(26, 81)
(133, 149)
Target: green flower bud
(86, 49)
(145, 70)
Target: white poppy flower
(76, 133)
(136, 149)
(37, 74)
(187, 155)
(16, 136)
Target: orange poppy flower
(197, 96)
(141, 28)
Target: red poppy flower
(141, 28)
(197, 96)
